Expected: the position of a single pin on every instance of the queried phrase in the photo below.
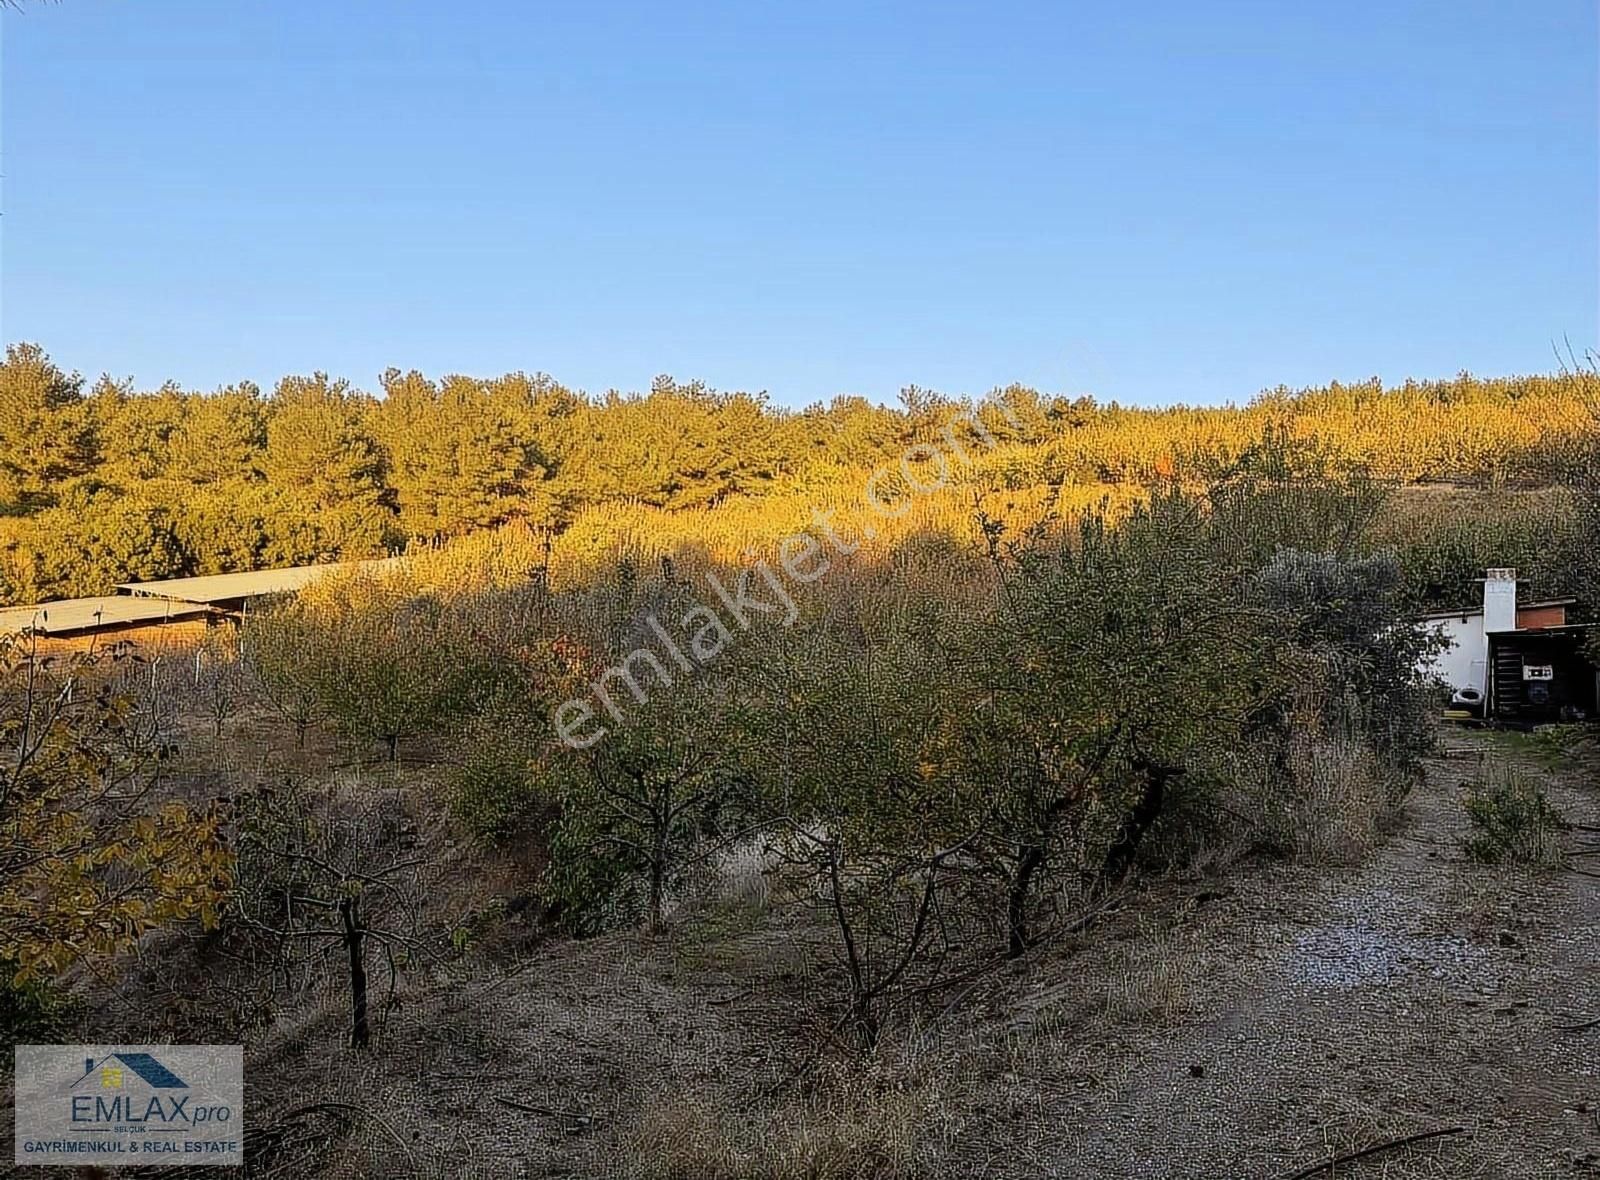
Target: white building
(1464, 663)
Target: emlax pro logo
(129, 1104)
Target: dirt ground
(1247, 1025)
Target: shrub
(391, 663)
(1513, 822)
(1352, 638)
(497, 792)
(219, 676)
(287, 661)
(1120, 658)
(32, 1011)
(88, 863)
(1316, 798)
(660, 794)
(324, 873)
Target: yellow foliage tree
(87, 864)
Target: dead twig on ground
(1389, 1145)
(351, 1108)
(286, 1144)
(578, 1118)
(1585, 1026)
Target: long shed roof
(66, 616)
(225, 587)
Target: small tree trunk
(359, 1032)
(656, 919)
(1119, 857)
(393, 742)
(300, 735)
(864, 1017)
(1017, 897)
(660, 857)
(863, 1013)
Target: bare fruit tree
(323, 874)
(219, 676)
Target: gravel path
(1417, 992)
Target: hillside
(1244, 1018)
(101, 484)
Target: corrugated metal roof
(222, 587)
(68, 615)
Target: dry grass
(1150, 978)
(1327, 806)
(745, 529)
(1341, 798)
(851, 1130)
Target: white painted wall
(1463, 663)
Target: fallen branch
(1336, 1161)
(1037, 945)
(1578, 1028)
(351, 1108)
(576, 1116)
(809, 1063)
(284, 1146)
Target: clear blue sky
(1148, 201)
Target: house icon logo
(130, 1090)
(113, 1071)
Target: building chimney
(88, 1066)
(1500, 601)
